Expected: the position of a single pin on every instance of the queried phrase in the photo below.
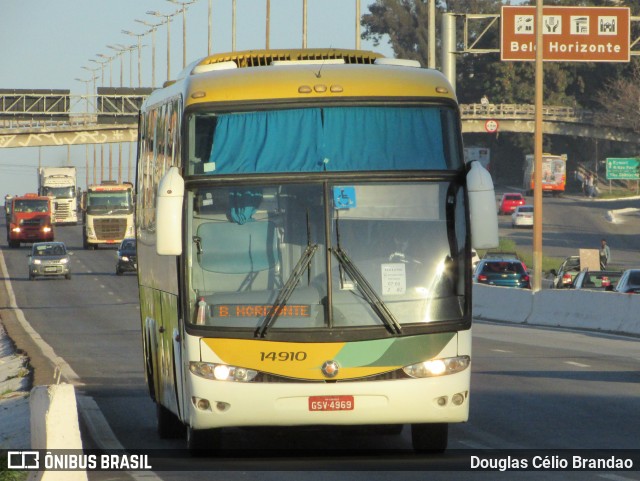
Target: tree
(620, 101)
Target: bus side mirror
(482, 208)
(169, 214)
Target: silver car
(49, 259)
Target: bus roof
(303, 75)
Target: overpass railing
(526, 112)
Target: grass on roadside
(6, 475)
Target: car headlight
(438, 367)
(46, 229)
(124, 258)
(64, 261)
(37, 261)
(222, 372)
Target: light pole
(209, 28)
(94, 76)
(108, 59)
(233, 25)
(86, 82)
(357, 24)
(120, 51)
(101, 69)
(139, 35)
(167, 18)
(152, 30)
(183, 9)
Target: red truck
(29, 220)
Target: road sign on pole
(623, 169)
(576, 34)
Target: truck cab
(29, 220)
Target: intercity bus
(305, 222)
(554, 174)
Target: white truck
(60, 183)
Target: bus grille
(110, 229)
(387, 376)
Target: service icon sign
(573, 34)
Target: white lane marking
(500, 350)
(89, 409)
(577, 364)
(46, 349)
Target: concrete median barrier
(581, 309)
(54, 425)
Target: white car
(522, 216)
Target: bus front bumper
(215, 404)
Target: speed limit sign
(491, 126)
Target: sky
(54, 44)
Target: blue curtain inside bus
(331, 139)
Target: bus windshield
(320, 255)
(356, 138)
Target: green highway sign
(623, 169)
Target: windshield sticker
(344, 197)
(394, 279)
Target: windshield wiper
(287, 290)
(369, 293)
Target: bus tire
(430, 438)
(169, 426)
(201, 442)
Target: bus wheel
(169, 426)
(430, 438)
(201, 442)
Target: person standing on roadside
(605, 254)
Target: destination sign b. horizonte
(623, 169)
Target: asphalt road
(574, 222)
(531, 388)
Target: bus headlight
(438, 367)
(46, 229)
(222, 372)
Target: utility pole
(537, 171)
(304, 23)
(357, 24)
(268, 26)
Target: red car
(509, 202)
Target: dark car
(127, 257)
(49, 259)
(596, 280)
(502, 272)
(568, 270)
(629, 283)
